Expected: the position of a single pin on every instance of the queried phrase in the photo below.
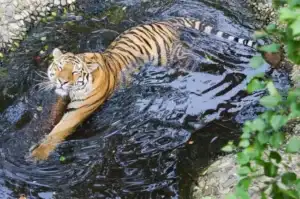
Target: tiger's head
(70, 73)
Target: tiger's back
(157, 43)
(148, 43)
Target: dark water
(150, 139)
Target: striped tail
(198, 25)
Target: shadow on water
(152, 137)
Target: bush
(263, 138)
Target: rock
(18, 17)
(56, 2)
(220, 177)
(13, 26)
(17, 114)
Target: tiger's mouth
(62, 92)
(63, 88)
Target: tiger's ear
(56, 53)
(92, 67)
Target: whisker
(38, 80)
(46, 88)
(40, 74)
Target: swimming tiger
(89, 79)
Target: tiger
(89, 79)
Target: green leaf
(271, 27)
(244, 183)
(275, 156)
(263, 195)
(270, 169)
(271, 48)
(293, 94)
(230, 196)
(292, 49)
(289, 194)
(228, 148)
(298, 185)
(258, 124)
(244, 143)
(267, 116)
(272, 89)
(296, 27)
(270, 101)
(255, 85)
(263, 137)
(246, 135)
(294, 111)
(244, 170)
(260, 34)
(257, 61)
(276, 139)
(278, 121)
(294, 3)
(62, 158)
(289, 178)
(248, 126)
(252, 152)
(242, 158)
(241, 193)
(286, 14)
(293, 145)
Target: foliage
(115, 14)
(263, 139)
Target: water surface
(152, 137)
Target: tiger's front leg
(59, 133)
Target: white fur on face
(78, 90)
(61, 92)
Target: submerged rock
(17, 115)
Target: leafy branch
(264, 143)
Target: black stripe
(142, 41)
(190, 22)
(145, 40)
(110, 55)
(127, 44)
(245, 42)
(145, 32)
(140, 49)
(202, 26)
(157, 32)
(112, 69)
(126, 51)
(214, 31)
(173, 20)
(156, 43)
(124, 64)
(181, 21)
(226, 35)
(170, 40)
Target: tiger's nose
(62, 82)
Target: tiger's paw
(41, 152)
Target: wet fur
(157, 43)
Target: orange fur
(90, 78)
